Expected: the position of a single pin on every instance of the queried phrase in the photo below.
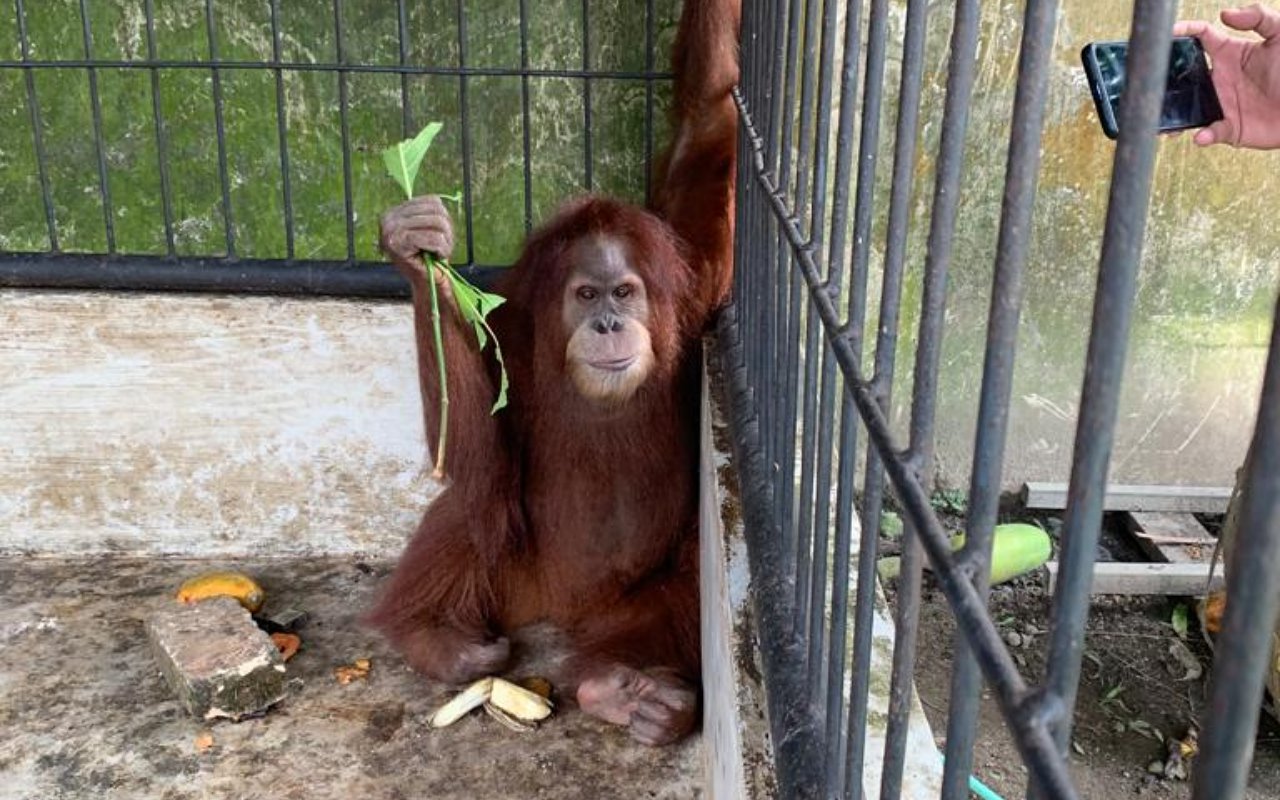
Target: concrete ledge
(740, 758)
(735, 729)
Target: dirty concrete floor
(84, 712)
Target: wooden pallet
(1161, 522)
(1169, 537)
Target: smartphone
(1189, 98)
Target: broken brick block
(218, 662)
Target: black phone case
(1106, 115)
(1094, 76)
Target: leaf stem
(438, 473)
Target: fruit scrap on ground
(358, 670)
(1211, 610)
(223, 584)
(514, 706)
(204, 741)
(287, 643)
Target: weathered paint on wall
(207, 425)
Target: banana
(514, 706)
(223, 584)
(474, 696)
(519, 702)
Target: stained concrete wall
(1206, 288)
(199, 425)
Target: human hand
(1246, 76)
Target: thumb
(1265, 21)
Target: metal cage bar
(282, 126)
(787, 281)
(232, 265)
(37, 125)
(224, 180)
(162, 136)
(99, 146)
(344, 120)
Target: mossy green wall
(370, 36)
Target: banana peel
(513, 706)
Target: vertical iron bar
(402, 28)
(1021, 171)
(906, 617)
(525, 143)
(848, 444)
(465, 122)
(775, 251)
(282, 130)
(162, 136)
(810, 354)
(650, 12)
(95, 104)
(788, 453)
(1108, 339)
(786, 386)
(872, 495)
(955, 121)
(772, 269)
(588, 157)
(826, 393)
(844, 148)
(1244, 646)
(37, 127)
(343, 116)
(220, 129)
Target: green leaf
(503, 384)
(404, 159)
(1179, 620)
(403, 162)
(475, 306)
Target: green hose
(983, 791)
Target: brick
(216, 660)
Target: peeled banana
(514, 706)
(519, 702)
(474, 696)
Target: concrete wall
(202, 425)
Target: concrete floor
(84, 712)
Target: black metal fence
(792, 346)
(194, 56)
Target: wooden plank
(1114, 577)
(1187, 499)
(1170, 537)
